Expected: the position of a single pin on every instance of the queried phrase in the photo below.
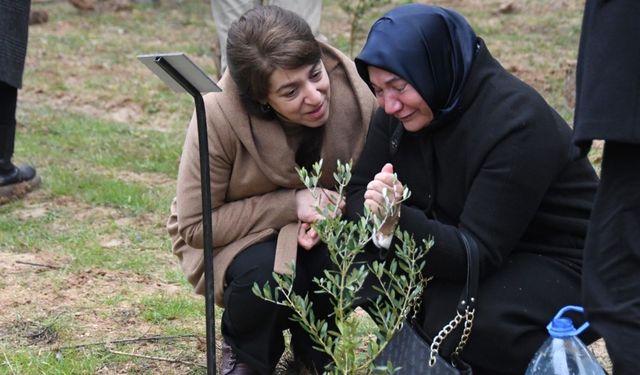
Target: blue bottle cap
(561, 327)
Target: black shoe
(230, 364)
(18, 182)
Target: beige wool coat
(253, 176)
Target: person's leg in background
(14, 33)
(607, 92)
(310, 10)
(15, 181)
(8, 100)
(611, 270)
(226, 11)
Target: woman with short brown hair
(287, 101)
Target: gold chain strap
(447, 329)
(466, 332)
(444, 332)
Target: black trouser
(254, 327)
(514, 306)
(8, 99)
(611, 276)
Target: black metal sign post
(181, 74)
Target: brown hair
(262, 40)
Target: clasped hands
(385, 185)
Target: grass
(85, 259)
(162, 308)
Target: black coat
(499, 168)
(608, 73)
(14, 26)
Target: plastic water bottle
(563, 353)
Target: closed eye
(376, 90)
(400, 87)
(290, 93)
(316, 75)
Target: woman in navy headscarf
(485, 155)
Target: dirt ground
(36, 301)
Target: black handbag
(413, 352)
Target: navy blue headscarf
(430, 47)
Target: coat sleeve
(501, 200)
(501, 197)
(232, 220)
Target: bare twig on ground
(38, 265)
(157, 358)
(122, 341)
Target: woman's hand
(307, 236)
(306, 204)
(384, 184)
